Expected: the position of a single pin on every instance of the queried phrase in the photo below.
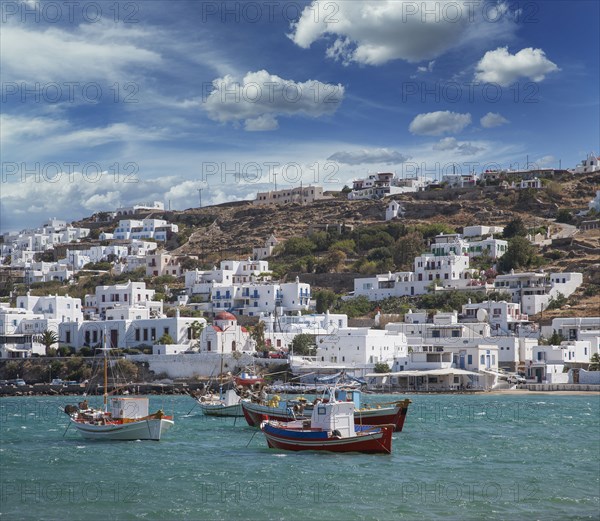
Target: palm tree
(48, 338)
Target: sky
(107, 104)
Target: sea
(459, 457)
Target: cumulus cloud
(377, 31)
(462, 147)
(369, 156)
(259, 98)
(493, 119)
(439, 122)
(503, 68)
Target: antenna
(200, 194)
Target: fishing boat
(227, 404)
(126, 418)
(331, 427)
(248, 379)
(393, 413)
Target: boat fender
(70, 409)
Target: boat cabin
(128, 408)
(336, 416)
(349, 396)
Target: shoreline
(184, 390)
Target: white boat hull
(151, 429)
(217, 409)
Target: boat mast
(105, 375)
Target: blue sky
(106, 104)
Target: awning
(432, 372)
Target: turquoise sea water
(459, 457)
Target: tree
(334, 261)
(555, 339)
(325, 299)
(48, 338)
(166, 339)
(557, 302)
(257, 333)
(303, 344)
(407, 248)
(520, 254)
(564, 216)
(299, 246)
(595, 362)
(381, 367)
(515, 228)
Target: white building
(447, 265)
(280, 330)
(480, 231)
(63, 309)
(301, 194)
(225, 336)
(393, 211)
(260, 253)
(361, 347)
(549, 363)
(576, 328)
(128, 333)
(158, 229)
(384, 184)
(534, 183)
(19, 329)
(123, 295)
(534, 290)
(460, 180)
(590, 164)
(493, 248)
(162, 263)
(141, 207)
(505, 318)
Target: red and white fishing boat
(126, 419)
(331, 427)
(393, 413)
(248, 379)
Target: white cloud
(462, 147)
(439, 122)
(377, 31)
(369, 156)
(545, 161)
(84, 55)
(493, 119)
(429, 67)
(503, 68)
(15, 128)
(259, 98)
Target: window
(145, 334)
(137, 334)
(208, 345)
(469, 359)
(435, 333)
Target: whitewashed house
(265, 251)
(129, 294)
(225, 336)
(589, 165)
(534, 290)
(393, 211)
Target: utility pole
(200, 194)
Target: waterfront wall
(589, 377)
(190, 365)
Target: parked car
(57, 381)
(18, 381)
